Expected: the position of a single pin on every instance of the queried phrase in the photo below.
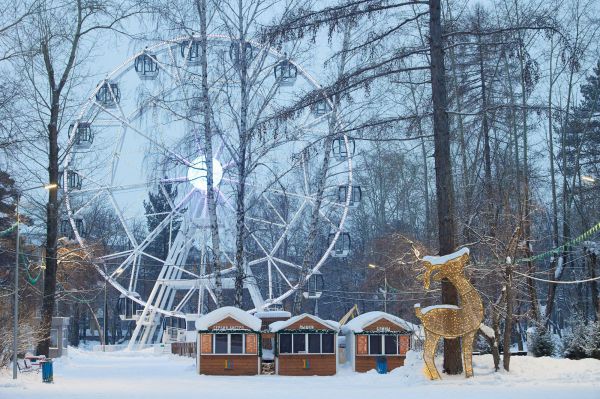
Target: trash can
(381, 365)
(47, 371)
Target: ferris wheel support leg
(252, 287)
(166, 294)
(140, 321)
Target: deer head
(437, 272)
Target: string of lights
(584, 236)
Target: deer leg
(467, 349)
(431, 341)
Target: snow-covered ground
(97, 375)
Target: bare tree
(52, 45)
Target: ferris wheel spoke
(167, 197)
(274, 208)
(258, 261)
(256, 240)
(150, 139)
(272, 190)
(287, 263)
(282, 274)
(334, 225)
(288, 226)
(116, 255)
(124, 187)
(266, 222)
(185, 299)
(174, 65)
(122, 219)
(180, 179)
(157, 230)
(117, 154)
(165, 67)
(88, 202)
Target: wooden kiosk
(305, 345)
(377, 340)
(228, 342)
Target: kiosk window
(391, 344)
(237, 343)
(299, 343)
(375, 344)
(328, 343)
(285, 343)
(221, 343)
(314, 343)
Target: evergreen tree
(541, 343)
(157, 207)
(582, 136)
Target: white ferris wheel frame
(114, 76)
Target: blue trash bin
(381, 365)
(47, 371)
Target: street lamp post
(385, 283)
(16, 298)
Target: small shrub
(542, 343)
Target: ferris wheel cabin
(108, 95)
(355, 195)
(146, 66)
(128, 308)
(190, 52)
(321, 108)
(286, 73)
(84, 136)
(314, 286)
(235, 53)
(66, 229)
(342, 246)
(74, 179)
(339, 150)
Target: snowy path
(93, 375)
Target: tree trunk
(592, 262)
(443, 172)
(97, 323)
(208, 151)
(244, 141)
(49, 298)
(508, 321)
(485, 128)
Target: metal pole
(105, 318)
(16, 302)
(385, 291)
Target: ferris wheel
(140, 132)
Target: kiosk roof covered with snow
(217, 315)
(377, 340)
(228, 342)
(305, 345)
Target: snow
(440, 260)
(559, 268)
(272, 314)
(357, 324)
(592, 247)
(282, 325)
(442, 306)
(212, 318)
(146, 375)
(488, 331)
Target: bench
(30, 363)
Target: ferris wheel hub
(196, 174)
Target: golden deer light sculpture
(450, 321)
